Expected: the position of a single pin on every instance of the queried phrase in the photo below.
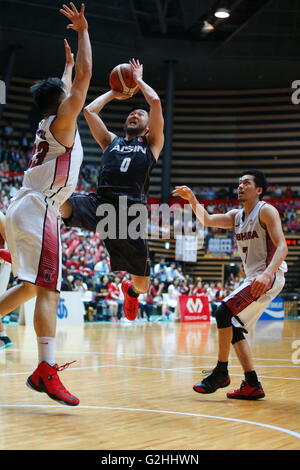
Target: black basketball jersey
(125, 168)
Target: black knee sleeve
(237, 335)
(223, 316)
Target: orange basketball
(121, 79)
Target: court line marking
(143, 354)
(178, 413)
(173, 369)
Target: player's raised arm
(97, 127)
(208, 220)
(71, 106)
(67, 75)
(155, 135)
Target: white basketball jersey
(53, 169)
(254, 243)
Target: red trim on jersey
(62, 169)
(49, 260)
(240, 300)
(271, 248)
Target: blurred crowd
(86, 268)
(86, 265)
(230, 192)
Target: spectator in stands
(102, 288)
(293, 224)
(154, 295)
(170, 300)
(101, 295)
(160, 270)
(102, 267)
(145, 306)
(114, 298)
(288, 192)
(172, 273)
(67, 283)
(198, 289)
(8, 131)
(90, 258)
(221, 292)
(73, 264)
(277, 191)
(184, 287)
(80, 286)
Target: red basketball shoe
(246, 392)
(45, 379)
(131, 304)
(5, 255)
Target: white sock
(3, 333)
(46, 349)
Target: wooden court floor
(135, 385)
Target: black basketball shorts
(126, 254)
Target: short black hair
(46, 94)
(259, 179)
(144, 107)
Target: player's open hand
(261, 284)
(69, 54)
(137, 69)
(183, 191)
(78, 21)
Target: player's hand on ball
(183, 191)
(78, 21)
(137, 69)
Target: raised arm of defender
(208, 220)
(64, 125)
(68, 70)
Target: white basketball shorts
(5, 270)
(33, 238)
(248, 309)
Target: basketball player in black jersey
(125, 168)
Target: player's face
(136, 122)
(247, 188)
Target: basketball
(121, 79)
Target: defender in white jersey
(33, 218)
(34, 239)
(263, 249)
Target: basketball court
(227, 79)
(135, 384)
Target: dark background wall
(258, 46)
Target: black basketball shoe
(212, 382)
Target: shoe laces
(55, 376)
(243, 384)
(211, 371)
(64, 366)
